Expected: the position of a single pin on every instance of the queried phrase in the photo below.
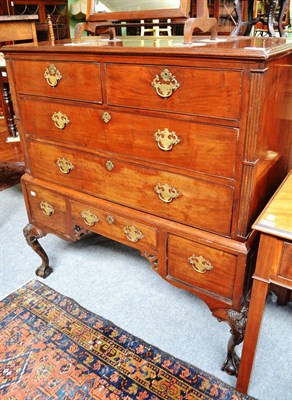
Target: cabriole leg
(237, 322)
(31, 234)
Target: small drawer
(192, 146)
(201, 266)
(205, 92)
(66, 123)
(59, 79)
(113, 226)
(195, 202)
(47, 208)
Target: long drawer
(197, 91)
(114, 226)
(60, 79)
(201, 266)
(194, 202)
(204, 148)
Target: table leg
(283, 10)
(254, 318)
(268, 256)
(240, 23)
(271, 14)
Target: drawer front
(59, 79)
(66, 123)
(201, 266)
(47, 208)
(115, 227)
(194, 202)
(199, 147)
(205, 92)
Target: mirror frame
(182, 12)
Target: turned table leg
(8, 109)
(283, 10)
(31, 234)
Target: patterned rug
(52, 348)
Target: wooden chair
(14, 28)
(156, 29)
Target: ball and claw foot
(231, 364)
(237, 322)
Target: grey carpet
(115, 282)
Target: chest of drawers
(170, 149)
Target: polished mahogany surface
(245, 47)
(276, 218)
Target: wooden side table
(274, 265)
(269, 19)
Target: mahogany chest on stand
(172, 149)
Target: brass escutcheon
(132, 233)
(165, 84)
(109, 165)
(110, 219)
(89, 217)
(52, 75)
(200, 264)
(166, 193)
(106, 117)
(46, 208)
(165, 139)
(64, 165)
(60, 120)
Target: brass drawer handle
(106, 117)
(132, 233)
(46, 208)
(89, 217)
(65, 166)
(200, 264)
(110, 220)
(109, 165)
(165, 139)
(166, 193)
(60, 120)
(52, 75)
(166, 84)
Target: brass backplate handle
(166, 193)
(60, 120)
(46, 208)
(65, 166)
(200, 264)
(133, 234)
(166, 139)
(165, 84)
(52, 75)
(89, 217)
